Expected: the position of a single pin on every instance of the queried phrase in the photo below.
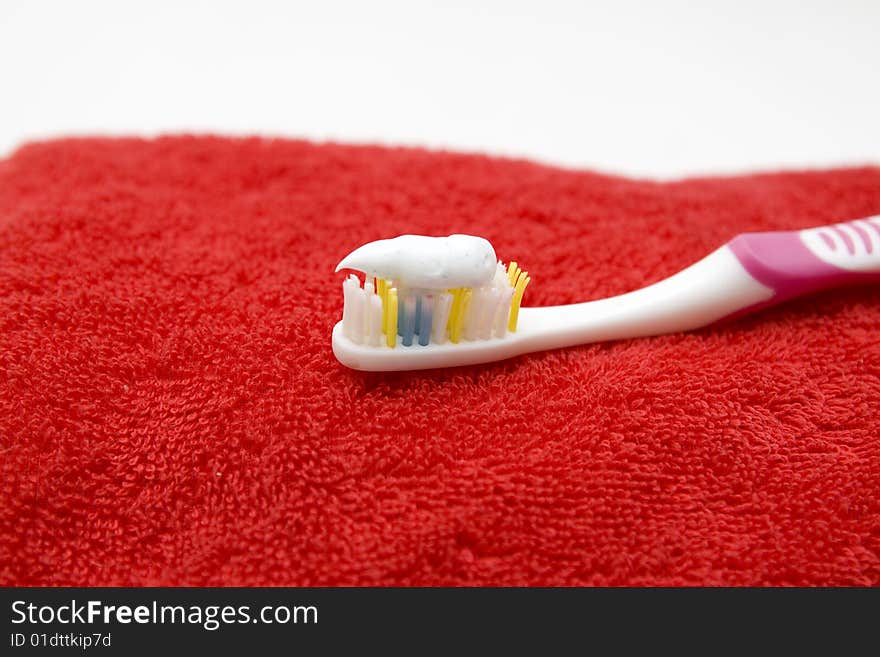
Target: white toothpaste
(430, 263)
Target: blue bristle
(425, 322)
(417, 323)
(409, 317)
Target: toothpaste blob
(428, 263)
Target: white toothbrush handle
(752, 271)
(714, 288)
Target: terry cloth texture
(171, 412)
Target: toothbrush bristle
(380, 311)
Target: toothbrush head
(427, 302)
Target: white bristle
(502, 312)
(350, 291)
(442, 306)
(346, 308)
(367, 317)
(490, 304)
(354, 304)
(472, 311)
(500, 280)
(374, 312)
(357, 314)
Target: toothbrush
(430, 302)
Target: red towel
(171, 412)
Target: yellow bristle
(380, 290)
(456, 301)
(391, 318)
(383, 294)
(453, 314)
(512, 270)
(456, 296)
(388, 326)
(464, 300)
(521, 282)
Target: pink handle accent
(783, 262)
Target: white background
(657, 89)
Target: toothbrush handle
(794, 263)
(751, 272)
